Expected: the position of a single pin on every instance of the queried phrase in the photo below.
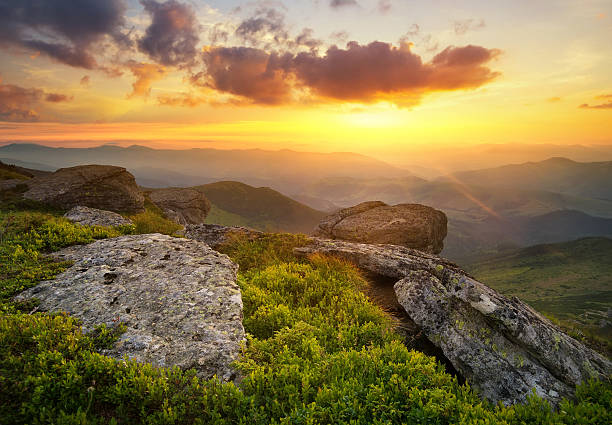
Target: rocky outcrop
(502, 346)
(86, 216)
(97, 186)
(216, 235)
(182, 205)
(178, 298)
(410, 225)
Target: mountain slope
(584, 179)
(571, 280)
(260, 208)
(469, 240)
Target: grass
(318, 352)
(8, 174)
(570, 279)
(153, 220)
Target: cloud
(466, 25)
(605, 105)
(57, 98)
(182, 99)
(336, 4)
(22, 104)
(384, 6)
(252, 73)
(85, 81)
(339, 36)
(375, 71)
(554, 99)
(266, 22)
(306, 39)
(65, 31)
(146, 74)
(360, 73)
(172, 37)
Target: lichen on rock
(178, 299)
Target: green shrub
(319, 352)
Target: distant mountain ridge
(284, 170)
(468, 240)
(561, 175)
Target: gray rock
(411, 225)
(502, 346)
(216, 235)
(182, 205)
(97, 186)
(94, 217)
(178, 298)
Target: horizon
(274, 75)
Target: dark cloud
(146, 74)
(172, 37)
(359, 73)
(466, 25)
(248, 72)
(342, 3)
(266, 22)
(306, 38)
(66, 31)
(22, 104)
(57, 98)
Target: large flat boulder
(86, 216)
(503, 347)
(178, 298)
(216, 235)
(182, 205)
(410, 225)
(97, 186)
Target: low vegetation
(571, 281)
(153, 220)
(318, 351)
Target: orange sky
(268, 75)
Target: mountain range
(489, 210)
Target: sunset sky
(370, 76)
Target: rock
(94, 217)
(410, 225)
(502, 346)
(215, 235)
(10, 184)
(178, 298)
(97, 186)
(182, 205)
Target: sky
(372, 76)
